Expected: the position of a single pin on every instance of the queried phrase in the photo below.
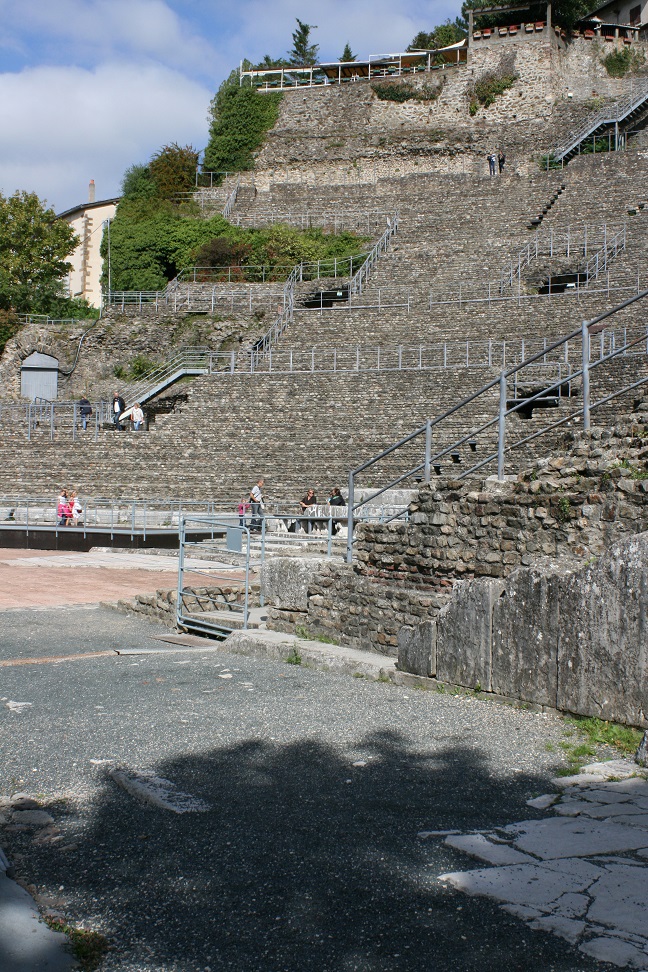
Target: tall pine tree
(303, 53)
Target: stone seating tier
(296, 430)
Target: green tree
(303, 53)
(173, 169)
(34, 247)
(138, 184)
(268, 63)
(347, 53)
(240, 117)
(443, 35)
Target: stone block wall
(575, 640)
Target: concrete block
(525, 637)
(417, 649)
(603, 651)
(464, 634)
(285, 581)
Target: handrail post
(350, 521)
(428, 449)
(586, 382)
(501, 431)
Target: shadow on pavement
(306, 862)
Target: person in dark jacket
(85, 410)
(118, 406)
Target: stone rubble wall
(569, 508)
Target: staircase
(615, 121)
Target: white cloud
(87, 31)
(63, 126)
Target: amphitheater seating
(309, 429)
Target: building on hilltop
(626, 13)
(88, 220)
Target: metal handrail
(585, 331)
(617, 111)
(231, 199)
(381, 246)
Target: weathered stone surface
(285, 581)
(32, 818)
(417, 649)
(464, 635)
(603, 655)
(525, 638)
(642, 752)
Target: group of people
(496, 160)
(254, 504)
(68, 509)
(119, 406)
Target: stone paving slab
(574, 883)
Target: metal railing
(571, 244)
(612, 114)
(366, 223)
(271, 336)
(380, 247)
(493, 431)
(231, 199)
(332, 267)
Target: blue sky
(87, 87)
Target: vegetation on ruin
(488, 88)
(152, 239)
(449, 32)
(240, 117)
(400, 92)
(619, 63)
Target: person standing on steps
(85, 410)
(256, 501)
(118, 406)
(491, 163)
(501, 159)
(137, 417)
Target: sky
(90, 87)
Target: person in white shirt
(137, 417)
(256, 499)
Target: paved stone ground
(582, 874)
(303, 795)
(55, 579)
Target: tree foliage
(34, 247)
(138, 184)
(303, 53)
(173, 169)
(151, 241)
(347, 54)
(443, 35)
(240, 117)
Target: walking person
(85, 410)
(256, 502)
(118, 406)
(137, 417)
(501, 159)
(491, 163)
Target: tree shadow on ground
(306, 862)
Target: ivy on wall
(240, 117)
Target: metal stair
(615, 120)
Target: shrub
(390, 91)
(619, 63)
(488, 88)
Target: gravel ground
(309, 857)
